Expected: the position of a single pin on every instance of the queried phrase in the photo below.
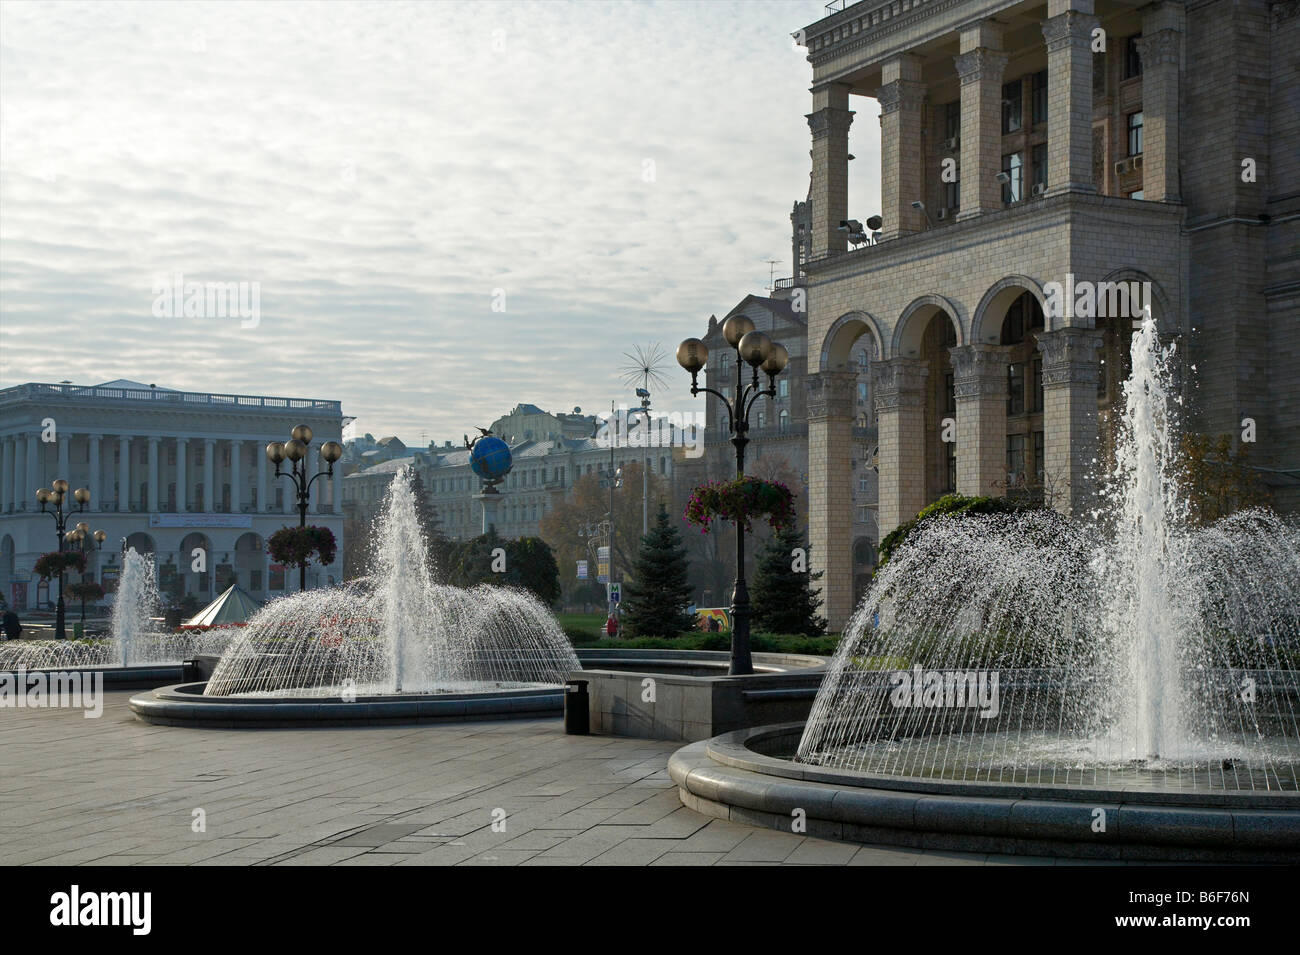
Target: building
(551, 451)
(169, 472)
(1018, 156)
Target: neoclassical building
(1027, 146)
(169, 472)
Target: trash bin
(577, 708)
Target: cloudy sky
(605, 174)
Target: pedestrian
(12, 628)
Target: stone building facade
(168, 472)
(1016, 153)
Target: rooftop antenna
(771, 275)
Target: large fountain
(136, 638)
(1130, 657)
(396, 641)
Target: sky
(444, 209)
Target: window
(864, 485)
(952, 192)
(1135, 133)
(950, 392)
(1011, 118)
(1132, 58)
(1040, 165)
(1137, 194)
(1015, 456)
(784, 420)
(762, 419)
(862, 392)
(783, 388)
(1038, 456)
(1036, 386)
(952, 119)
(950, 451)
(1013, 166)
(1016, 389)
(1039, 97)
(254, 580)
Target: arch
(997, 300)
(1167, 323)
(837, 346)
(142, 543)
(911, 325)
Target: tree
(1216, 479)
(783, 599)
(426, 513)
(655, 601)
(526, 563)
(530, 564)
(950, 504)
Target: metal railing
(33, 391)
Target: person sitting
(11, 625)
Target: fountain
(1129, 659)
(397, 641)
(136, 647)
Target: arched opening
(195, 566)
(1022, 324)
(7, 589)
(935, 349)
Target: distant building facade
(169, 472)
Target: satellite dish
(874, 223)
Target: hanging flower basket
(294, 546)
(48, 566)
(741, 501)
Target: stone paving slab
(115, 791)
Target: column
(1160, 49)
(124, 473)
(1068, 32)
(902, 98)
(313, 462)
(64, 466)
(1070, 415)
(25, 472)
(980, 383)
(182, 476)
(152, 499)
(980, 66)
(830, 490)
(236, 478)
(96, 474)
(209, 475)
(6, 474)
(336, 491)
(829, 122)
(262, 467)
(899, 388)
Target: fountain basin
(749, 776)
(185, 705)
(139, 677)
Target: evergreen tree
(782, 599)
(654, 603)
(427, 514)
(528, 563)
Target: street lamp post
(755, 349)
(295, 451)
(52, 497)
(82, 537)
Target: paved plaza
(115, 791)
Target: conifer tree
(654, 603)
(782, 597)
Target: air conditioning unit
(1123, 167)
(1137, 161)
(942, 213)
(952, 145)
(1039, 189)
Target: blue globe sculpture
(490, 459)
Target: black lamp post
(295, 450)
(51, 501)
(755, 349)
(82, 537)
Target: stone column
(96, 474)
(263, 505)
(899, 388)
(901, 97)
(182, 476)
(1068, 32)
(1160, 49)
(336, 491)
(6, 474)
(63, 469)
(1070, 415)
(236, 478)
(27, 468)
(980, 66)
(980, 383)
(829, 122)
(209, 475)
(312, 467)
(830, 490)
(152, 500)
(124, 473)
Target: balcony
(156, 397)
